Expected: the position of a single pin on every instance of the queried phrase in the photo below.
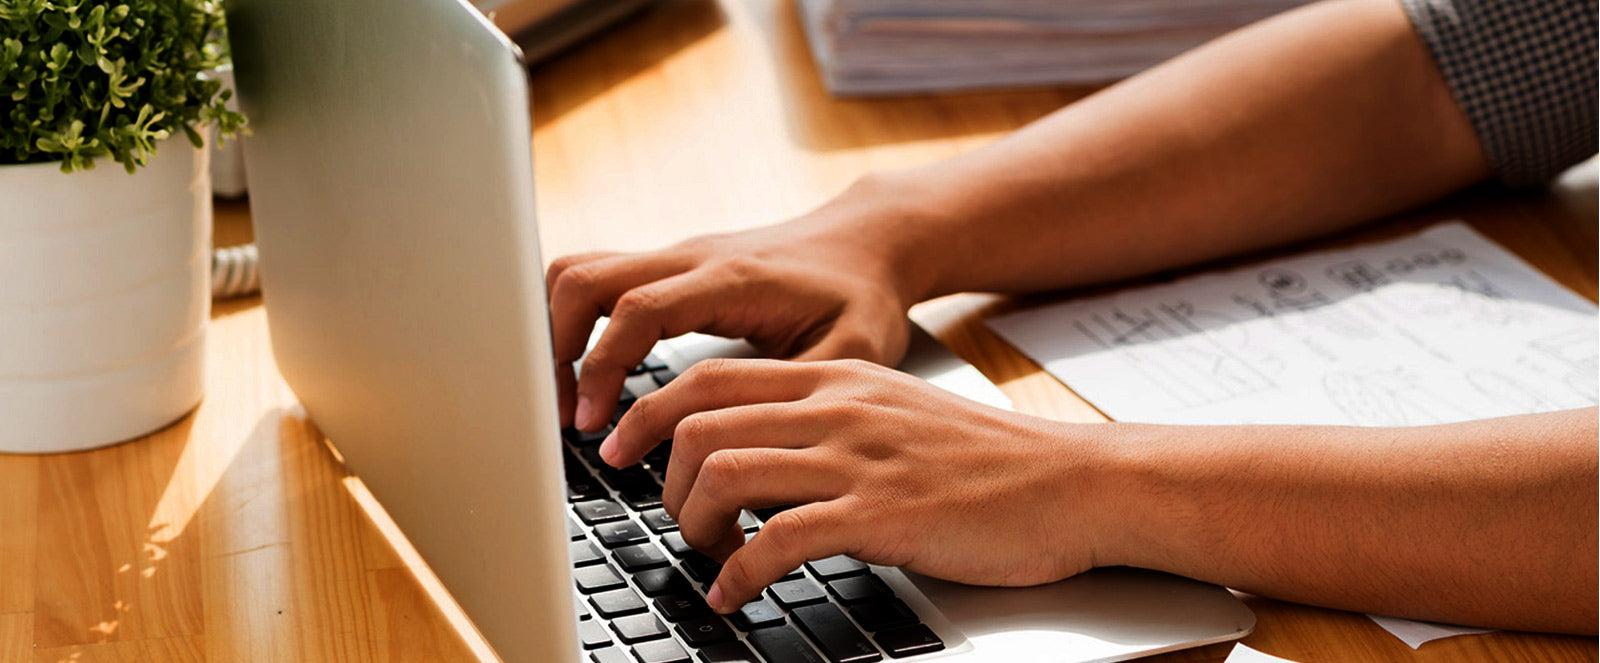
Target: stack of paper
(869, 47)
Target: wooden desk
(235, 535)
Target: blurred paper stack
(874, 47)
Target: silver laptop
(392, 190)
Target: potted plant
(105, 215)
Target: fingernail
(584, 407)
(714, 597)
(608, 448)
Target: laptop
(391, 185)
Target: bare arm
(1487, 522)
(1304, 124)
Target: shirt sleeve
(1524, 71)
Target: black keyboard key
(582, 487)
(678, 607)
(597, 578)
(592, 635)
(860, 589)
(759, 613)
(574, 530)
(838, 639)
(662, 581)
(794, 593)
(703, 569)
(609, 655)
(661, 651)
(767, 514)
(782, 644)
(702, 631)
(659, 457)
(658, 521)
(582, 439)
(595, 512)
(617, 602)
(643, 499)
(837, 566)
(676, 545)
(584, 553)
(639, 557)
(879, 615)
(627, 532)
(591, 455)
(728, 652)
(638, 628)
(905, 641)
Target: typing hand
(883, 467)
(815, 288)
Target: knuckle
(578, 278)
(742, 267)
(642, 414)
(695, 429)
(720, 469)
(789, 527)
(707, 372)
(637, 302)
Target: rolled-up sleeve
(1524, 71)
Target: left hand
(884, 467)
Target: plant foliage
(81, 79)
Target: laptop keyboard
(641, 589)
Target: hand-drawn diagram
(1173, 351)
(1577, 351)
(1357, 275)
(1389, 398)
(1437, 327)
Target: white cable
(235, 272)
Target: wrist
(889, 221)
(1139, 513)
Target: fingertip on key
(714, 598)
(584, 413)
(608, 449)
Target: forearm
(1301, 125)
(1490, 522)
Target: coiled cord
(235, 272)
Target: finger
(713, 384)
(703, 434)
(566, 386)
(641, 317)
(583, 291)
(789, 539)
(559, 265)
(733, 479)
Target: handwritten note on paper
(1435, 327)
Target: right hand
(823, 286)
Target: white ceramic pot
(104, 298)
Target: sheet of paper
(1435, 327)
(1243, 654)
(1415, 633)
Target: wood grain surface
(236, 535)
